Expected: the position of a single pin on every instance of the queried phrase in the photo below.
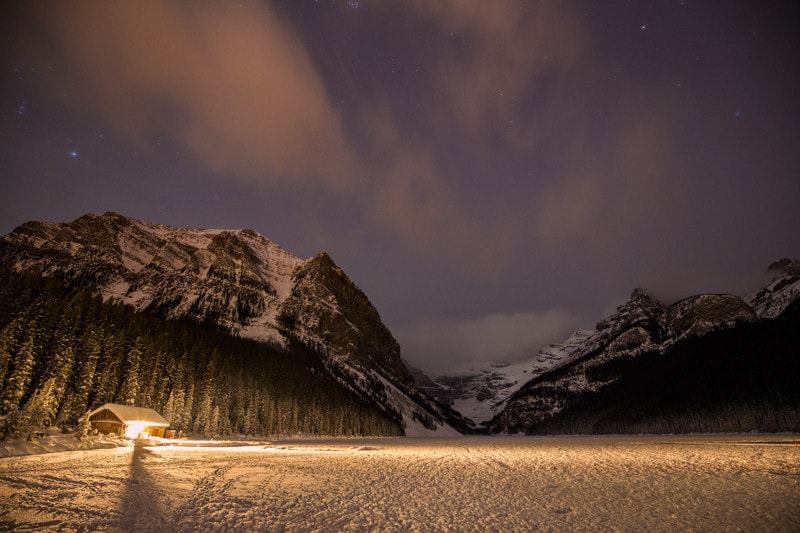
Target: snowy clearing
(749, 483)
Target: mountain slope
(63, 352)
(641, 343)
(737, 380)
(234, 279)
(485, 393)
(237, 280)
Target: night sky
(493, 174)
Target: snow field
(407, 484)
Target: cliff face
(327, 309)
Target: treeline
(732, 381)
(64, 352)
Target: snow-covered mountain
(640, 325)
(238, 280)
(480, 392)
(595, 359)
(779, 294)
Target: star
(74, 155)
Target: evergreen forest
(64, 352)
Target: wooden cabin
(129, 420)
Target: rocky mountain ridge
(639, 326)
(642, 325)
(237, 280)
(781, 293)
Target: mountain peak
(639, 293)
(784, 266)
(640, 308)
(782, 294)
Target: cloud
(235, 87)
(411, 195)
(615, 185)
(230, 84)
(520, 56)
(447, 346)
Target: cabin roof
(132, 413)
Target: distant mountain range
(583, 384)
(711, 362)
(241, 282)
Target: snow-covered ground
(749, 483)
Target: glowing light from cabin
(134, 428)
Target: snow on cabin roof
(131, 413)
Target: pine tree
(252, 422)
(20, 378)
(214, 426)
(5, 357)
(129, 390)
(83, 380)
(203, 418)
(169, 408)
(11, 424)
(180, 404)
(237, 418)
(108, 367)
(84, 426)
(202, 421)
(40, 408)
(9, 344)
(188, 405)
(60, 371)
(62, 361)
(150, 373)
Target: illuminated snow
(464, 484)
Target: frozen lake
(749, 482)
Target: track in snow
(464, 484)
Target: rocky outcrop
(702, 314)
(781, 294)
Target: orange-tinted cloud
(232, 85)
(236, 88)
